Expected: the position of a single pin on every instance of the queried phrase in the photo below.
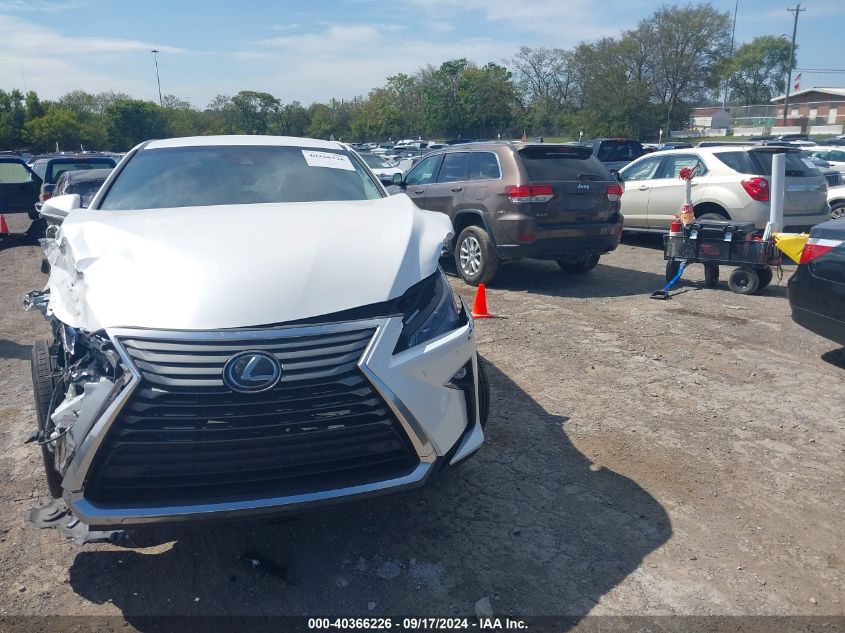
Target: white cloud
(41, 58)
(568, 21)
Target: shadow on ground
(10, 349)
(529, 522)
(546, 278)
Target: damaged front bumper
(441, 422)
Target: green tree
(12, 119)
(686, 45)
(131, 121)
(56, 128)
(757, 71)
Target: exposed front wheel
(475, 256)
(45, 387)
(837, 211)
(579, 266)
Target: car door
(420, 177)
(448, 189)
(637, 178)
(668, 191)
(484, 174)
(19, 186)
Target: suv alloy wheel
(475, 256)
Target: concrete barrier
(786, 129)
(826, 129)
(749, 131)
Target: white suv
(244, 325)
(732, 183)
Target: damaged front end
(76, 377)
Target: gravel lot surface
(643, 457)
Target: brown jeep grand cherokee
(508, 200)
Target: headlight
(429, 310)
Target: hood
(198, 268)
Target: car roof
(73, 158)
(243, 139)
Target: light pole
(158, 80)
(796, 11)
(733, 39)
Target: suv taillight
(614, 192)
(522, 194)
(816, 247)
(757, 188)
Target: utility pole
(155, 55)
(733, 39)
(796, 11)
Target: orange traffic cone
(4, 228)
(479, 308)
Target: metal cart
(716, 243)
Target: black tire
(672, 268)
(44, 383)
(711, 275)
(712, 215)
(483, 394)
(480, 259)
(579, 266)
(744, 281)
(766, 275)
(837, 211)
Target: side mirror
(398, 180)
(58, 208)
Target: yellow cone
(791, 244)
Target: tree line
(646, 79)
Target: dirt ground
(642, 457)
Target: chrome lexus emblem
(249, 372)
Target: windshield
(234, 174)
(375, 162)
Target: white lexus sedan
(247, 325)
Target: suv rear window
(760, 162)
(612, 151)
(562, 164)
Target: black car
(19, 185)
(49, 169)
(615, 153)
(817, 289)
(85, 182)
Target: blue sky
(323, 48)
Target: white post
(777, 189)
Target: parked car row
(23, 184)
(177, 388)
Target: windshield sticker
(809, 163)
(327, 159)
